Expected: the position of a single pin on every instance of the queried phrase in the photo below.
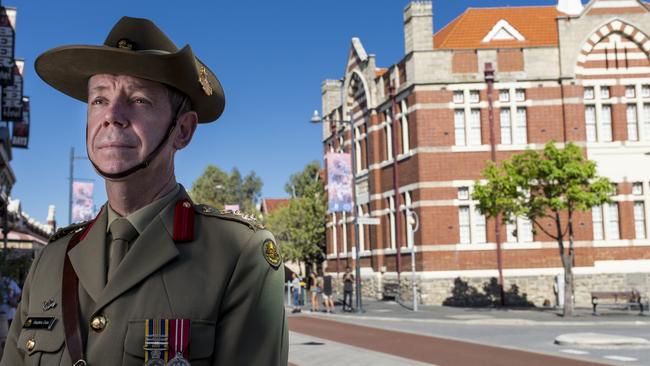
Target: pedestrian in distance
(314, 291)
(295, 292)
(155, 278)
(10, 298)
(320, 285)
(348, 282)
(327, 294)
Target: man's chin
(116, 168)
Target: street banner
(20, 135)
(12, 96)
(339, 182)
(7, 42)
(82, 201)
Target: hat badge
(205, 83)
(125, 44)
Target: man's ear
(185, 127)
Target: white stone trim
(630, 56)
(615, 4)
(616, 25)
(503, 24)
(599, 267)
(603, 71)
(628, 29)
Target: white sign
(368, 220)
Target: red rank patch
(183, 221)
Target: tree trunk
(568, 280)
(567, 262)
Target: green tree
(300, 226)
(218, 188)
(551, 184)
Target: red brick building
(565, 73)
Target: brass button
(30, 344)
(98, 323)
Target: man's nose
(116, 114)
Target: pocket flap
(42, 340)
(202, 333)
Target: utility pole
(489, 79)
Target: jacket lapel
(151, 250)
(88, 258)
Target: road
(319, 340)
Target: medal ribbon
(156, 344)
(179, 337)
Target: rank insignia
(125, 44)
(39, 323)
(49, 305)
(272, 253)
(205, 83)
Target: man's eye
(98, 101)
(141, 101)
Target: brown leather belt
(70, 304)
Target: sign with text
(7, 42)
(20, 135)
(82, 201)
(365, 220)
(12, 95)
(339, 182)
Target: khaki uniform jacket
(221, 281)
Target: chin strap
(145, 163)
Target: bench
(391, 290)
(621, 299)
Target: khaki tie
(122, 232)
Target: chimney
(570, 7)
(51, 221)
(418, 26)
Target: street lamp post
(316, 118)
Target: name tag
(39, 323)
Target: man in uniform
(154, 279)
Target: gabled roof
(270, 205)
(535, 23)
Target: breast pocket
(202, 333)
(42, 346)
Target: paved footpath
(360, 345)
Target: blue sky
(271, 57)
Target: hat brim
(68, 69)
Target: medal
(156, 345)
(179, 341)
(178, 360)
(155, 362)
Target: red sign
(20, 135)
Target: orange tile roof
(380, 71)
(272, 204)
(536, 24)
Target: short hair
(176, 98)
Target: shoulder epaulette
(248, 220)
(74, 228)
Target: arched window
(389, 136)
(391, 219)
(405, 127)
(362, 236)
